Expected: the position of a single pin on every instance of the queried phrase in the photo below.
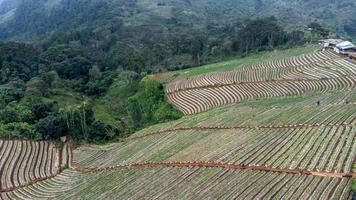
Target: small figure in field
(318, 103)
(346, 101)
(350, 57)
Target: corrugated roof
(345, 45)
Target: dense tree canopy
(94, 84)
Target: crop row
(202, 99)
(328, 149)
(333, 64)
(335, 107)
(23, 161)
(296, 61)
(185, 183)
(47, 189)
(329, 69)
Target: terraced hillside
(283, 147)
(25, 162)
(319, 71)
(295, 147)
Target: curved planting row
(230, 77)
(46, 189)
(296, 61)
(329, 69)
(186, 183)
(257, 73)
(24, 162)
(330, 149)
(203, 128)
(193, 101)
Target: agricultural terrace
(184, 183)
(24, 162)
(279, 142)
(235, 63)
(319, 71)
(289, 146)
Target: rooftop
(346, 45)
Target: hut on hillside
(346, 48)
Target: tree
(259, 34)
(36, 87)
(318, 29)
(39, 108)
(51, 127)
(94, 72)
(77, 119)
(18, 61)
(19, 130)
(8, 114)
(11, 92)
(99, 131)
(296, 37)
(165, 112)
(197, 45)
(134, 110)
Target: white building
(346, 48)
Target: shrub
(19, 130)
(99, 131)
(166, 112)
(51, 127)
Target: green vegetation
(48, 16)
(86, 84)
(247, 60)
(45, 95)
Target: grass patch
(102, 113)
(63, 97)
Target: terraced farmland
(321, 71)
(299, 143)
(185, 183)
(26, 162)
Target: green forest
(92, 77)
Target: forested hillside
(32, 18)
(85, 68)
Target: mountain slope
(294, 147)
(37, 18)
(268, 148)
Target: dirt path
(32, 182)
(211, 165)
